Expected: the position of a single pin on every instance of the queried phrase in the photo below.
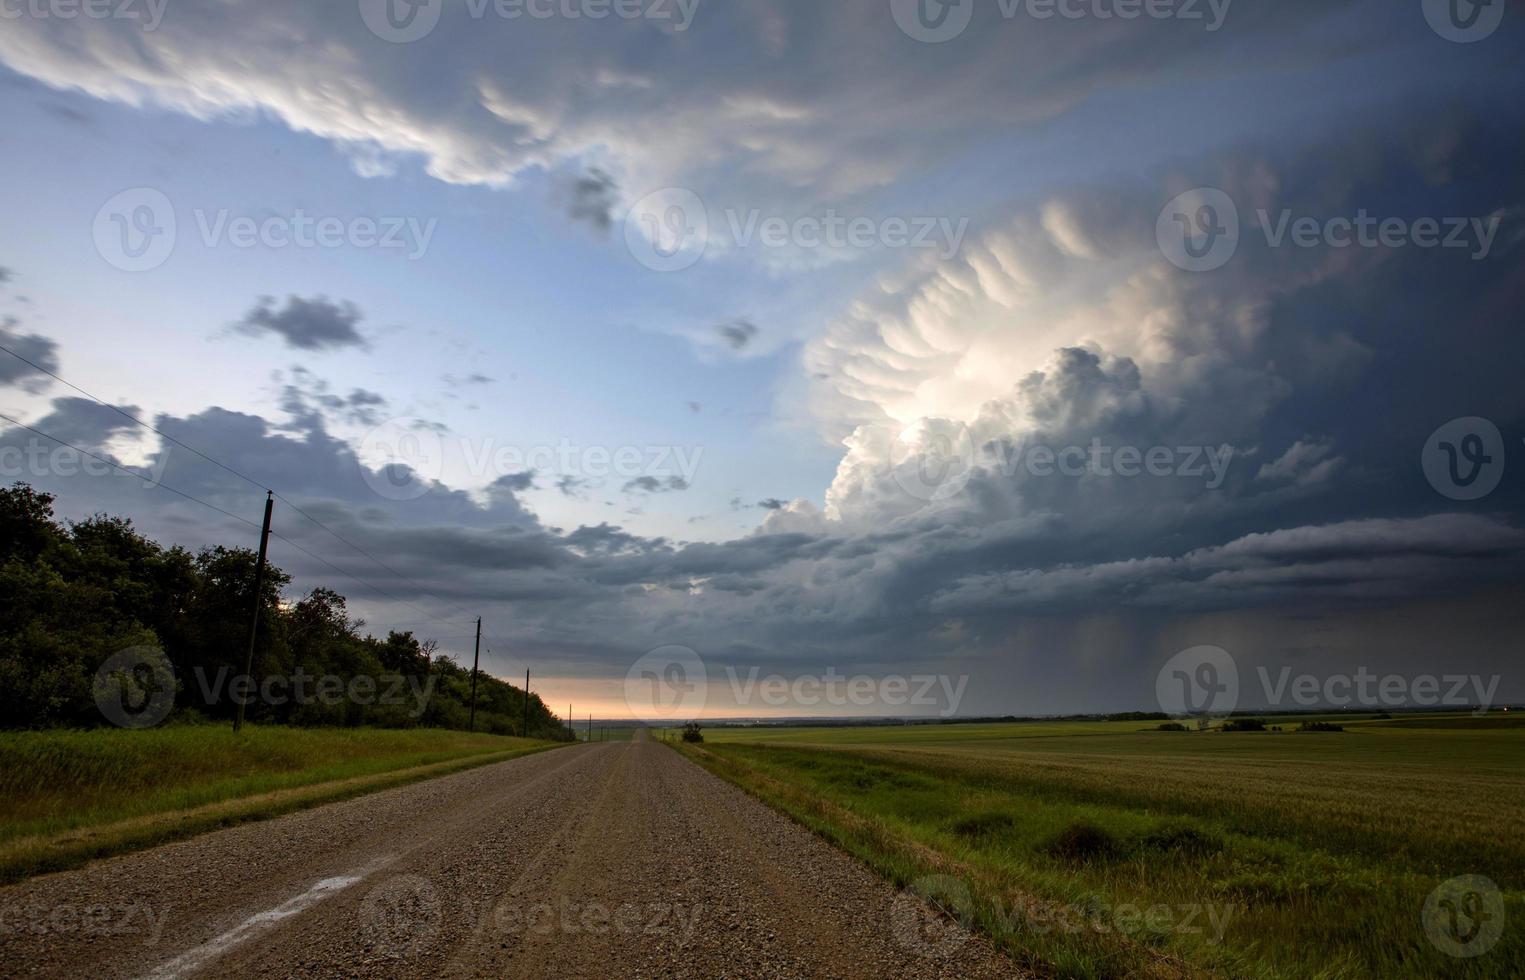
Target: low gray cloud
(737, 333)
(653, 484)
(315, 324)
(594, 196)
(39, 350)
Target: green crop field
(1112, 849)
(68, 796)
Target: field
(68, 796)
(1113, 849)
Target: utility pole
(526, 702)
(569, 721)
(259, 588)
(476, 659)
(590, 728)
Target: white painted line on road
(194, 959)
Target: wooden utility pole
(259, 588)
(526, 702)
(476, 659)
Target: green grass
(68, 796)
(1320, 847)
(608, 734)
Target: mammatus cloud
(754, 103)
(315, 324)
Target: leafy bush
(1083, 841)
(691, 732)
(1244, 725)
(1172, 726)
(1320, 726)
(1183, 839)
(73, 595)
(984, 824)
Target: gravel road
(618, 859)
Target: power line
(242, 476)
(113, 463)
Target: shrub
(1083, 841)
(1320, 726)
(1172, 726)
(1244, 725)
(984, 824)
(1182, 839)
(691, 732)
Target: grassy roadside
(1315, 853)
(67, 797)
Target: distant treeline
(73, 595)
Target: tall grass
(68, 795)
(1322, 846)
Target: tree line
(74, 594)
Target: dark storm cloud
(593, 198)
(315, 324)
(37, 349)
(653, 484)
(85, 423)
(737, 333)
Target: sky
(999, 351)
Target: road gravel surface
(615, 859)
